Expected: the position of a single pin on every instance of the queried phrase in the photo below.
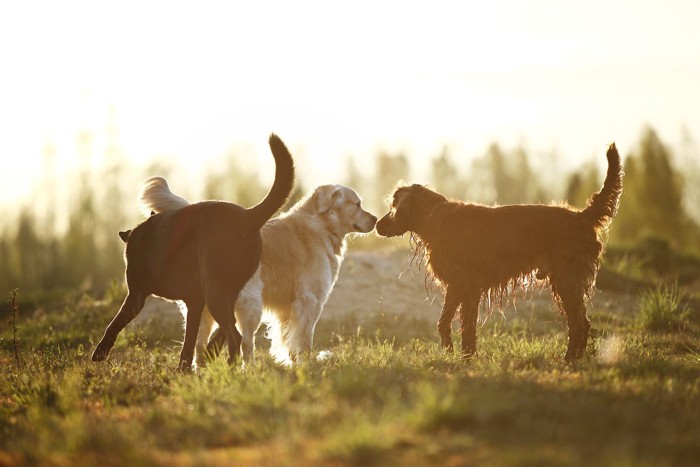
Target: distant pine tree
(652, 201)
(444, 176)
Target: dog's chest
(446, 266)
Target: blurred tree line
(660, 204)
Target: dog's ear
(402, 198)
(403, 205)
(327, 197)
(124, 235)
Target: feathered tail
(602, 206)
(155, 196)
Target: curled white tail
(155, 196)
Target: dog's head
(341, 209)
(124, 234)
(410, 206)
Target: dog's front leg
(249, 310)
(579, 327)
(130, 308)
(470, 315)
(194, 315)
(444, 325)
(575, 309)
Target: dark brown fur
(476, 251)
(201, 254)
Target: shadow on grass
(532, 423)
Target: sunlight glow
(191, 83)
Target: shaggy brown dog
(202, 254)
(479, 252)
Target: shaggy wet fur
(479, 252)
(202, 255)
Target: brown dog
(202, 254)
(476, 251)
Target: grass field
(382, 393)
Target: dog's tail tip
(155, 196)
(602, 206)
(155, 180)
(282, 186)
(274, 139)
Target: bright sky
(191, 80)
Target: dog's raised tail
(281, 188)
(602, 206)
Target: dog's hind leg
(573, 304)
(201, 350)
(306, 310)
(444, 324)
(216, 343)
(470, 315)
(133, 303)
(194, 315)
(223, 280)
(249, 316)
(221, 309)
(579, 327)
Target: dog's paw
(99, 355)
(468, 354)
(574, 355)
(184, 370)
(184, 367)
(446, 344)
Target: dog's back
(492, 246)
(170, 268)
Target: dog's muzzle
(368, 226)
(386, 227)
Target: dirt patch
(371, 281)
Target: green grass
(663, 308)
(385, 395)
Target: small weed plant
(663, 308)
